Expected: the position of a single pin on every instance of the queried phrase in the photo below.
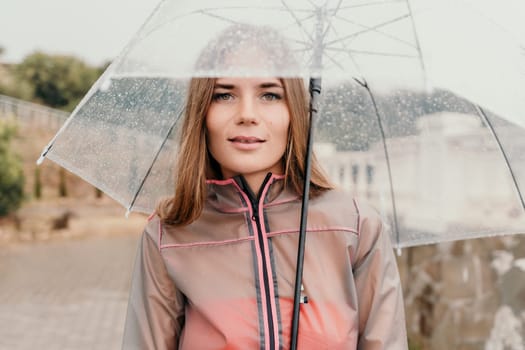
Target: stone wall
(466, 295)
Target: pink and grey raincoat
(226, 281)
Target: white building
(449, 179)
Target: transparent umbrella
(422, 110)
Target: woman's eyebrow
(270, 85)
(262, 85)
(224, 86)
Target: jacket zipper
(254, 202)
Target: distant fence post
(28, 114)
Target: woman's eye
(271, 96)
(222, 97)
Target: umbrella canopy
(422, 110)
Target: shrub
(11, 173)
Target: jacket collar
(225, 195)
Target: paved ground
(65, 294)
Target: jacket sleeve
(380, 300)
(155, 315)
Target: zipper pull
(304, 298)
(255, 208)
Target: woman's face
(247, 127)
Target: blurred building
(449, 177)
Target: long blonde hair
(195, 164)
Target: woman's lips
(246, 143)
(245, 139)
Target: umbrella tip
(44, 153)
(128, 211)
(40, 160)
(399, 252)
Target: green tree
(8, 85)
(57, 81)
(11, 175)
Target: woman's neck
(255, 181)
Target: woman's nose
(247, 112)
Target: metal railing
(31, 115)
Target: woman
(216, 264)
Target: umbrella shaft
(315, 90)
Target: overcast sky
(94, 30)
(97, 30)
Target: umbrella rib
(368, 30)
(389, 54)
(377, 31)
(226, 19)
(310, 15)
(330, 24)
(159, 25)
(418, 45)
(370, 4)
(349, 51)
(135, 196)
(387, 158)
(299, 23)
(346, 50)
(272, 8)
(483, 115)
(312, 3)
(335, 61)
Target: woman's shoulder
(338, 200)
(343, 199)
(335, 196)
(158, 230)
(153, 226)
(169, 235)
